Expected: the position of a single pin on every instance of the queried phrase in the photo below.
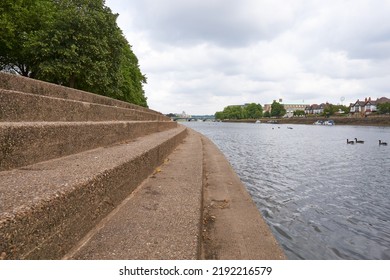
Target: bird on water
(359, 141)
(350, 142)
(382, 143)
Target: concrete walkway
(169, 217)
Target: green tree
(219, 115)
(277, 109)
(331, 109)
(267, 114)
(250, 111)
(383, 108)
(75, 43)
(83, 47)
(253, 111)
(233, 112)
(20, 23)
(342, 108)
(131, 79)
(299, 113)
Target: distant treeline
(75, 43)
(249, 111)
(255, 111)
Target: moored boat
(327, 122)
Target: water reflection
(322, 198)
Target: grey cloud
(222, 22)
(207, 54)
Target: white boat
(327, 122)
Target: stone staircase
(67, 159)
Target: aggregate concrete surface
(25, 143)
(161, 219)
(193, 207)
(47, 207)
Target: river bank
(368, 121)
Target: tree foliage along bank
(255, 111)
(236, 112)
(384, 108)
(277, 109)
(75, 43)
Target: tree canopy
(299, 113)
(236, 112)
(277, 109)
(75, 43)
(384, 108)
(331, 109)
(253, 111)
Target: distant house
(315, 109)
(370, 106)
(291, 108)
(357, 107)
(366, 107)
(267, 108)
(382, 100)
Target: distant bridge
(194, 119)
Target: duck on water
(359, 141)
(381, 143)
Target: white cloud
(200, 56)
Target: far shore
(367, 121)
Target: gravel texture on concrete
(47, 207)
(161, 219)
(31, 86)
(25, 143)
(19, 106)
(193, 207)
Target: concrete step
(46, 208)
(160, 220)
(195, 207)
(18, 107)
(31, 86)
(26, 143)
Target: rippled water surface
(322, 198)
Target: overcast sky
(202, 55)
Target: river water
(322, 198)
